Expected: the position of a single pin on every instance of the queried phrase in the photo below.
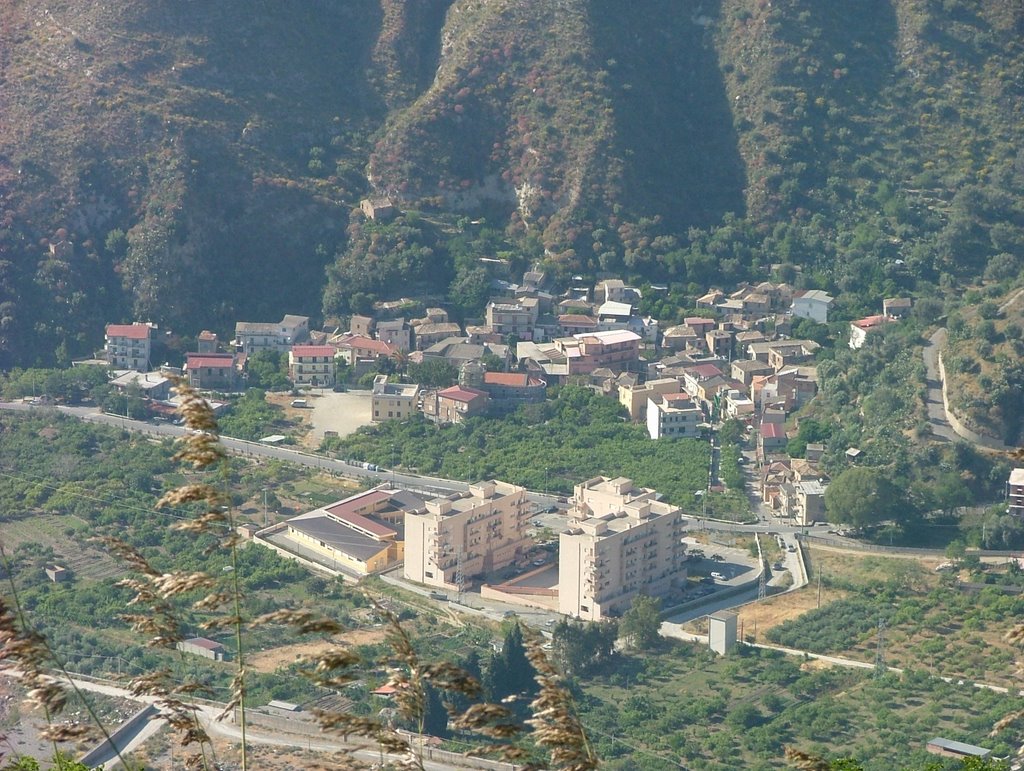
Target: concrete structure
(393, 401)
(258, 336)
(201, 646)
(673, 416)
(861, 328)
(128, 346)
(738, 405)
(812, 304)
(312, 365)
(479, 531)
(57, 573)
(771, 438)
(361, 535)
(212, 371)
(454, 405)
(431, 333)
(722, 628)
(621, 542)
(354, 348)
(1015, 493)
(744, 370)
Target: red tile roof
(870, 321)
(517, 379)
(705, 370)
(677, 397)
(202, 642)
(773, 431)
(313, 350)
(344, 511)
(209, 360)
(131, 331)
(461, 394)
(367, 344)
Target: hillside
(202, 159)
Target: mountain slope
(202, 158)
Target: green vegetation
(686, 705)
(550, 446)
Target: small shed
(722, 631)
(953, 749)
(853, 454)
(201, 646)
(57, 573)
(379, 209)
(283, 708)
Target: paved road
(283, 453)
(937, 418)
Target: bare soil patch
(272, 659)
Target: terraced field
(74, 553)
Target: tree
(580, 647)
(433, 373)
(269, 370)
(640, 624)
(435, 714)
(863, 496)
(510, 672)
(731, 432)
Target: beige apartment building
(621, 542)
(481, 530)
(393, 401)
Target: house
(621, 542)
(363, 326)
(576, 323)
(789, 389)
(128, 346)
(206, 342)
(682, 337)
(312, 365)
(462, 536)
(212, 371)
(803, 501)
(814, 451)
(744, 370)
(396, 333)
(897, 307)
(251, 336)
(1015, 493)
(614, 315)
(431, 333)
(812, 304)
(738, 405)
(454, 405)
(861, 328)
(719, 342)
(581, 354)
(615, 290)
(151, 385)
(507, 391)
(513, 318)
(378, 209)
(700, 325)
(784, 353)
(634, 397)
(201, 646)
(360, 535)
(393, 401)
(711, 299)
(771, 438)
(673, 416)
(353, 348)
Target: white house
(812, 304)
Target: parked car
(718, 576)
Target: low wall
(107, 749)
(523, 599)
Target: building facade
(128, 346)
(673, 416)
(621, 542)
(393, 401)
(472, 534)
(312, 365)
(211, 371)
(253, 336)
(454, 405)
(1015, 493)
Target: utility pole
(819, 586)
(264, 507)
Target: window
(429, 574)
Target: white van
(300, 403)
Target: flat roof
(1017, 476)
(960, 748)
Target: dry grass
(272, 659)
